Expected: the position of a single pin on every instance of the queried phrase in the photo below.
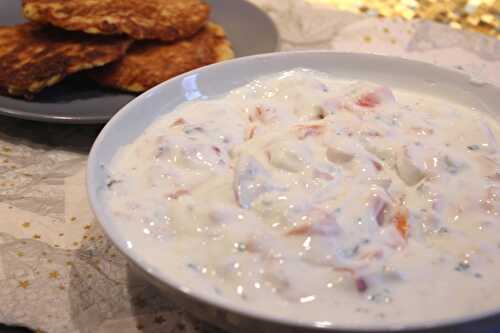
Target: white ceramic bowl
(215, 80)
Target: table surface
(58, 273)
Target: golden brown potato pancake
(149, 63)
(33, 57)
(142, 19)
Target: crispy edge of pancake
(35, 75)
(185, 25)
(111, 75)
(224, 49)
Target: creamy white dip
(320, 200)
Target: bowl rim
(223, 303)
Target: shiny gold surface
(477, 15)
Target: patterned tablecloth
(58, 273)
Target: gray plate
(79, 100)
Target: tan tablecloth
(58, 273)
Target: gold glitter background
(476, 15)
